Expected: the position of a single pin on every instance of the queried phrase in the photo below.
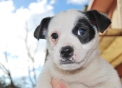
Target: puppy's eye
(54, 36)
(81, 31)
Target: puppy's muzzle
(66, 53)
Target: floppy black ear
(41, 30)
(99, 20)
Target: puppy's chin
(71, 67)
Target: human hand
(57, 84)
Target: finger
(57, 84)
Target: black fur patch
(90, 32)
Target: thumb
(57, 84)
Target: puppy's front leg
(44, 80)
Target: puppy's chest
(69, 80)
(74, 80)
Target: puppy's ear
(41, 30)
(99, 20)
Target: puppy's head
(72, 37)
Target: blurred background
(22, 56)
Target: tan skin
(57, 84)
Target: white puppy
(72, 43)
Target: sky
(18, 15)
(58, 5)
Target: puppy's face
(72, 38)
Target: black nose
(66, 52)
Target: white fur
(92, 72)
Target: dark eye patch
(84, 31)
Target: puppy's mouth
(67, 61)
(70, 64)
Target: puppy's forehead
(65, 20)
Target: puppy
(72, 42)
